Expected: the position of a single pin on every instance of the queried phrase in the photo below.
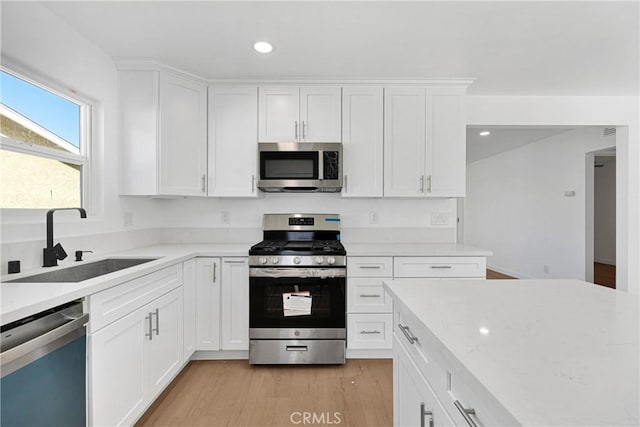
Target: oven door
(270, 315)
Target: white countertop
(19, 300)
(558, 352)
(413, 249)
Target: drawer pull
(441, 266)
(424, 412)
(370, 332)
(407, 333)
(370, 296)
(297, 348)
(371, 267)
(466, 413)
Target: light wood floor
(495, 275)
(234, 393)
(604, 274)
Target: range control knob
(319, 260)
(275, 260)
(262, 260)
(296, 260)
(331, 260)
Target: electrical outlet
(439, 218)
(128, 219)
(373, 217)
(225, 217)
(545, 269)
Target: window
(43, 146)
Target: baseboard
(221, 355)
(508, 272)
(605, 261)
(369, 353)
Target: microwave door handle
(320, 165)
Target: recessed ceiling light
(484, 331)
(485, 133)
(263, 47)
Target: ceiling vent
(609, 131)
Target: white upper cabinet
(163, 134)
(233, 136)
(404, 153)
(299, 114)
(362, 139)
(424, 142)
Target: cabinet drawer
(440, 267)
(369, 267)
(114, 303)
(370, 331)
(367, 295)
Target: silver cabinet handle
(297, 348)
(296, 130)
(204, 184)
(429, 184)
(346, 187)
(157, 314)
(304, 130)
(407, 333)
(424, 412)
(150, 334)
(370, 296)
(234, 262)
(253, 183)
(214, 272)
(466, 413)
(370, 267)
(422, 183)
(441, 266)
(370, 332)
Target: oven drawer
(365, 331)
(369, 266)
(440, 267)
(269, 352)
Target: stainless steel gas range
(297, 291)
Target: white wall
(604, 247)
(620, 111)
(516, 205)
(36, 43)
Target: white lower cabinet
(235, 304)
(189, 300)
(369, 330)
(208, 276)
(133, 359)
(415, 403)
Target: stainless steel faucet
(51, 254)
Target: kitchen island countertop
(552, 352)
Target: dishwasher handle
(15, 358)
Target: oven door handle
(303, 273)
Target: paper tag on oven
(296, 303)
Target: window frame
(82, 159)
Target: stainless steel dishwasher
(43, 368)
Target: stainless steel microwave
(300, 167)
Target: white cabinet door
(189, 308)
(208, 303)
(279, 114)
(446, 142)
(233, 136)
(404, 153)
(320, 114)
(183, 136)
(235, 303)
(415, 403)
(164, 349)
(362, 139)
(117, 371)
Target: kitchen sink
(84, 271)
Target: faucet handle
(60, 252)
(79, 254)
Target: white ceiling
(512, 48)
(504, 138)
